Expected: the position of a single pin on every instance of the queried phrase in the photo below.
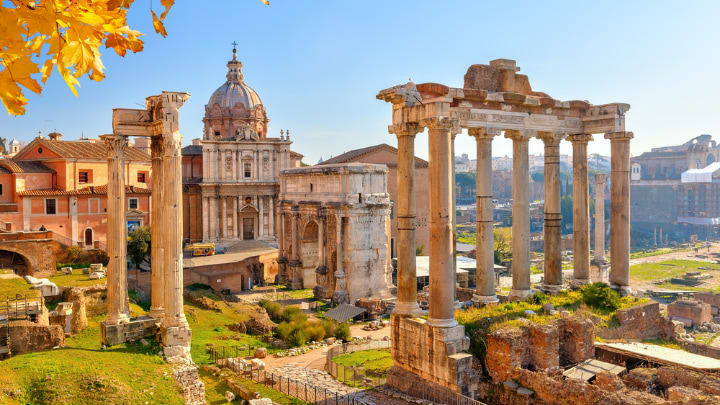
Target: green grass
(10, 287)
(82, 373)
(76, 279)
(376, 361)
(669, 269)
(649, 253)
(210, 326)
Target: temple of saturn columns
(159, 121)
(495, 100)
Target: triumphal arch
(494, 100)
(159, 121)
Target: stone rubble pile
(296, 351)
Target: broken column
(620, 210)
(442, 278)
(553, 278)
(581, 210)
(484, 242)
(520, 215)
(118, 305)
(406, 273)
(157, 229)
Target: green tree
(502, 244)
(138, 244)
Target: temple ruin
(159, 121)
(495, 99)
(335, 230)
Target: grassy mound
(76, 279)
(376, 361)
(10, 287)
(82, 373)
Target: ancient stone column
(484, 242)
(340, 296)
(442, 278)
(552, 235)
(406, 273)
(295, 263)
(157, 230)
(271, 215)
(581, 210)
(321, 240)
(118, 305)
(620, 210)
(261, 217)
(520, 215)
(600, 217)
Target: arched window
(88, 237)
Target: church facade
(232, 175)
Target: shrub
(330, 327)
(600, 296)
(274, 310)
(539, 298)
(284, 331)
(315, 331)
(73, 253)
(293, 314)
(299, 337)
(343, 331)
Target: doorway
(248, 228)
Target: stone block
(66, 270)
(261, 352)
(577, 340)
(608, 381)
(544, 346)
(135, 329)
(641, 379)
(28, 337)
(506, 349)
(698, 312)
(682, 394)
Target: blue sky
(317, 65)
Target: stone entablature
(335, 222)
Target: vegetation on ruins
(37, 36)
(479, 322)
(375, 361)
(76, 279)
(294, 327)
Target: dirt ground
(710, 255)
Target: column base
(479, 300)
(407, 308)
(579, 282)
(442, 323)
(552, 288)
(116, 319)
(157, 314)
(623, 290)
(176, 343)
(519, 295)
(134, 329)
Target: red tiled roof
(24, 167)
(354, 155)
(84, 150)
(296, 154)
(92, 190)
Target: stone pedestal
(521, 215)
(134, 329)
(430, 354)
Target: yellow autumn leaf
(158, 25)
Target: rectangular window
(93, 205)
(50, 206)
(248, 171)
(141, 177)
(83, 177)
(133, 203)
(0, 189)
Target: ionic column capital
(116, 145)
(550, 138)
(483, 133)
(580, 138)
(519, 135)
(405, 129)
(623, 136)
(442, 123)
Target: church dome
(234, 90)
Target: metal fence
(355, 376)
(298, 389)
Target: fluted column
(321, 238)
(157, 231)
(261, 217)
(520, 215)
(620, 210)
(484, 241)
(271, 215)
(118, 305)
(581, 210)
(600, 179)
(406, 207)
(442, 277)
(552, 228)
